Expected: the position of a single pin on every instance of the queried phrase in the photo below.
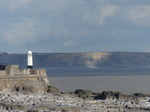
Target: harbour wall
(11, 75)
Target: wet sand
(125, 84)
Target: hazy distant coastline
(91, 60)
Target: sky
(53, 26)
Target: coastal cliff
(95, 59)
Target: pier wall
(11, 75)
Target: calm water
(126, 80)
(83, 71)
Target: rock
(89, 95)
(57, 109)
(113, 95)
(136, 109)
(32, 111)
(28, 87)
(12, 107)
(141, 95)
(110, 95)
(53, 89)
(85, 94)
(19, 99)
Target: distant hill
(95, 59)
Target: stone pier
(11, 75)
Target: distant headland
(93, 59)
(29, 90)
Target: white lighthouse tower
(29, 60)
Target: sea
(127, 80)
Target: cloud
(70, 43)
(99, 15)
(140, 15)
(14, 5)
(88, 24)
(21, 32)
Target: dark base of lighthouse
(29, 67)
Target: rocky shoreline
(53, 100)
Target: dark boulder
(113, 95)
(85, 94)
(89, 95)
(53, 89)
(141, 95)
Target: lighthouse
(29, 60)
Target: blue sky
(74, 25)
